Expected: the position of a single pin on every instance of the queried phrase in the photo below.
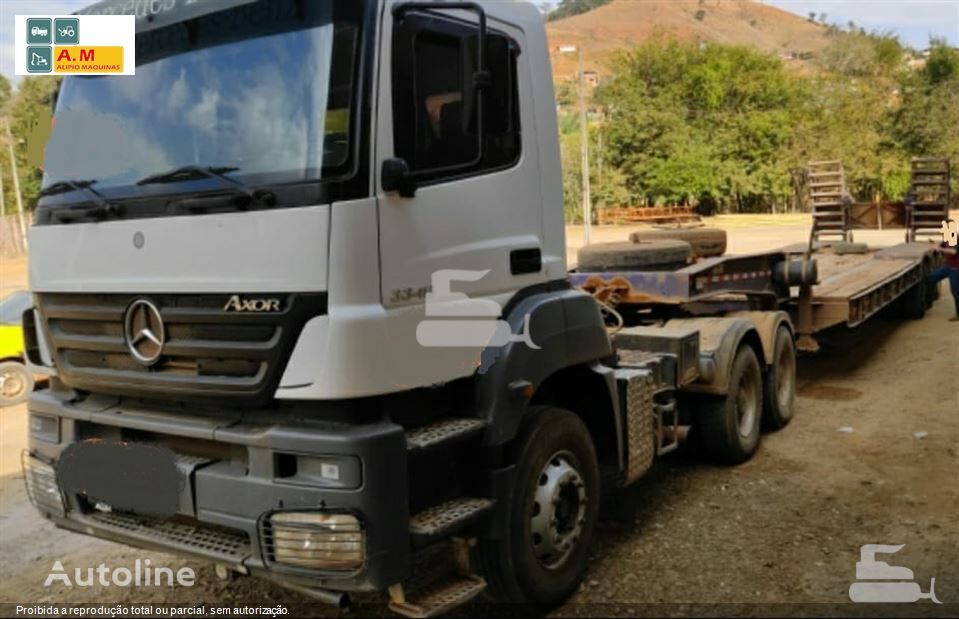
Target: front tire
(551, 513)
(779, 384)
(730, 424)
(16, 383)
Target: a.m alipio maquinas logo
(75, 44)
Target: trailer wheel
(551, 514)
(705, 242)
(932, 291)
(914, 301)
(779, 383)
(16, 383)
(633, 256)
(730, 424)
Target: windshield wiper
(206, 203)
(188, 172)
(100, 209)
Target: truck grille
(209, 351)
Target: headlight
(315, 540)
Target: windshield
(264, 90)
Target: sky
(914, 21)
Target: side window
(434, 109)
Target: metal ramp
(928, 203)
(829, 201)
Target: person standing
(949, 270)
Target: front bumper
(228, 496)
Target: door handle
(529, 260)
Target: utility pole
(584, 148)
(16, 188)
(584, 140)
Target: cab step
(441, 521)
(440, 432)
(440, 597)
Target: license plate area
(131, 477)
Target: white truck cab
(261, 267)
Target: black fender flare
(568, 329)
(719, 338)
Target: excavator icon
(894, 583)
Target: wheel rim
(785, 377)
(12, 385)
(558, 511)
(746, 408)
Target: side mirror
(395, 176)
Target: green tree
(689, 123)
(5, 92)
(943, 63)
(30, 113)
(926, 123)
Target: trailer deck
(855, 286)
(851, 287)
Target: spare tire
(705, 242)
(848, 247)
(651, 256)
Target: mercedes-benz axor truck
(300, 286)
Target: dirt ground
(871, 457)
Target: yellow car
(16, 381)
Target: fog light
(42, 488)
(316, 540)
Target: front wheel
(16, 383)
(551, 515)
(729, 426)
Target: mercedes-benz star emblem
(144, 331)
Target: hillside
(623, 23)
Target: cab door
(474, 209)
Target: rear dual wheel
(779, 384)
(729, 425)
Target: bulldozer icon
(886, 583)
